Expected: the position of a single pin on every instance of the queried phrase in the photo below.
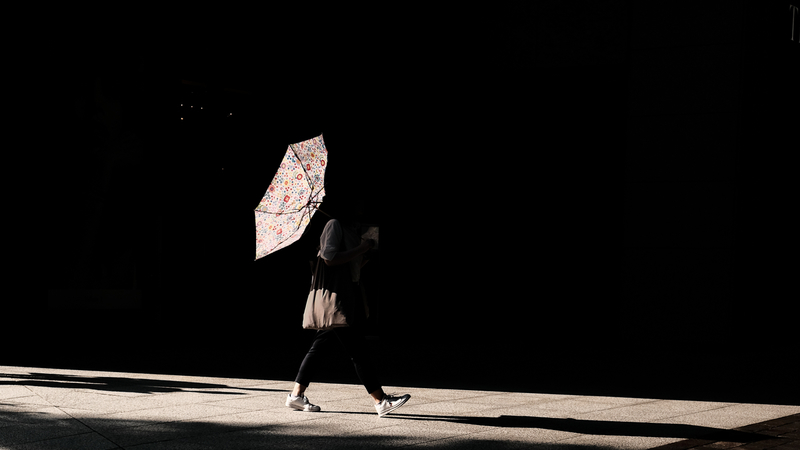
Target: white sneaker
(390, 403)
(301, 404)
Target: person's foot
(390, 403)
(301, 404)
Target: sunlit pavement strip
(71, 409)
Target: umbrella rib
(307, 177)
(282, 213)
(323, 212)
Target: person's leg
(377, 395)
(298, 390)
(297, 400)
(355, 344)
(311, 362)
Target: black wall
(575, 198)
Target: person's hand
(371, 243)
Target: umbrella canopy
(292, 197)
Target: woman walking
(341, 261)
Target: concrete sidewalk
(76, 409)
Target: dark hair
(345, 210)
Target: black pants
(354, 342)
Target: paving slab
(54, 409)
(86, 441)
(44, 430)
(781, 433)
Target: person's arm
(344, 257)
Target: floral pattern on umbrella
(292, 197)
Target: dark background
(580, 198)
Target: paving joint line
(92, 430)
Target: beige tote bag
(324, 309)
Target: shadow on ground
(319, 434)
(598, 427)
(120, 384)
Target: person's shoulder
(332, 224)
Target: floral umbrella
(292, 197)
